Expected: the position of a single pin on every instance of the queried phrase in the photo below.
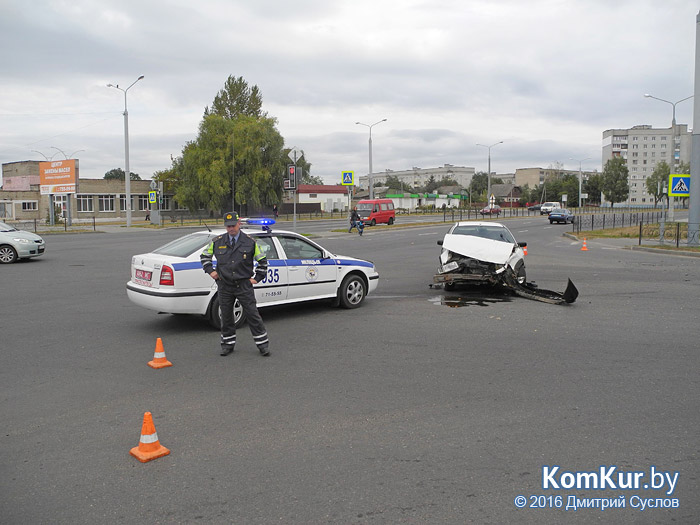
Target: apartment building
(643, 147)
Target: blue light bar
(259, 222)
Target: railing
(604, 221)
(671, 233)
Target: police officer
(235, 277)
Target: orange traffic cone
(159, 360)
(584, 248)
(149, 447)
(524, 250)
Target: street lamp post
(580, 178)
(488, 175)
(370, 126)
(673, 143)
(64, 153)
(127, 173)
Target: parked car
(479, 253)
(560, 215)
(170, 279)
(373, 211)
(534, 207)
(493, 210)
(548, 207)
(18, 244)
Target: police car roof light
(261, 221)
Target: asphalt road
(406, 410)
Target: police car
(170, 279)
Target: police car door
(310, 275)
(273, 287)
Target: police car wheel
(215, 313)
(352, 291)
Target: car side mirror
(439, 243)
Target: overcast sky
(546, 77)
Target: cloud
(547, 77)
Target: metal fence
(604, 221)
(671, 233)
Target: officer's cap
(230, 218)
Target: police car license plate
(143, 275)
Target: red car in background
(493, 210)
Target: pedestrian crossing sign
(679, 185)
(348, 178)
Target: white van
(548, 207)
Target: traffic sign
(679, 185)
(348, 178)
(152, 197)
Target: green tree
(479, 185)
(204, 172)
(118, 174)
(656, 181)
(235, 99)
(615, 180)
(593, 186)
(394, 183)
(237, 146)
(430, 185)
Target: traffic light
(291, 179)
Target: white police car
(170, 279)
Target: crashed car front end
(469, 259)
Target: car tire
(215, 313)
(391, 221)
(352, 291)
(551, 222)
(373, 222)
(8, 254)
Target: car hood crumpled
(486, 250)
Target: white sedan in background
(170, 279)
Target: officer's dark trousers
(243, 291)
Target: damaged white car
(487, 253)
(480, 252)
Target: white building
(330, 197)
(643, 147)
(418, 177)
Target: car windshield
(185, 246)
(365, 206)
(494, 233)
(6, 228)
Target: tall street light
(127, 173)
(580, 177)
(488, 175)
(370, 126)
(673, 144)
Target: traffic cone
(524, 250)
(584, 248)
(159, 360)
(149, 447)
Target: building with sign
(21, 196)
(643, 147)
